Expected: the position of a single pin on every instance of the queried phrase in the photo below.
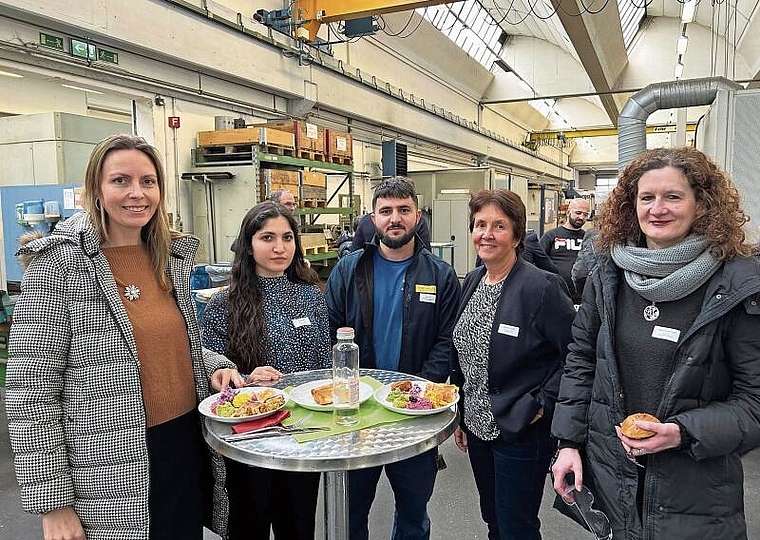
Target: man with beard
(365, 230)
(402, 302)
(563, 243)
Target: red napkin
(261, 423)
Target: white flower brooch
(132, 292)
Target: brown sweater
(163, 347)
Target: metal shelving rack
(255, 157)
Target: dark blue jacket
(524, 370)
(426, 346)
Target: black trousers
(175, 499)
(261, 499)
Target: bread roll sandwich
(323, 395)
(401, 386)
(632, 431)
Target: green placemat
(371, 414)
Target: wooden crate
(274, 179)
(279, 176)
(316, 179)
(313, 192)
(339, 144)
(313, 242)
(253, 135)
(308, 137)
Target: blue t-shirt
(388, 310)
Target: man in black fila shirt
(563, 243)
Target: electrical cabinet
(451, 224)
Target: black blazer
(527, 347)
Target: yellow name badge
(424, 289)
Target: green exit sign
(82, 49)
(54, 42)
(108, 56)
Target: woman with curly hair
(668, 326)
(272, 319)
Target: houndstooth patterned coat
(74, 401)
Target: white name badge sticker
(668, 334)
(303, 321)
(427, 298)
(509, 330)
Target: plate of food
(417, 398)
(318, 395)
(233, 405)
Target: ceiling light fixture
(9, 74)
(678, 70)
(90, 90)
(689, 8)
(681, 45)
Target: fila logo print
(570, 244)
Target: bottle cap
(345, 333)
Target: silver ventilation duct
(632, 122)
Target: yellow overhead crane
(310, 14)
(599, 132)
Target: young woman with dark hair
(272, 319)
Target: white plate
(381, 395)
(302, 395)
(205, 406)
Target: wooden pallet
(341, 160)
(220, 150)
(314, 203)
(313, 250)
(311, 155)
(278, 150)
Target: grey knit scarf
(664, 275)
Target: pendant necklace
(651, 312)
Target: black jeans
(264, 498)
(510, 479)
(175, 499)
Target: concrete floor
(454, 511)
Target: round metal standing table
(336, 455)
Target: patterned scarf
(664, 275)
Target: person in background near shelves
(100, 394)
(271, 320)
(563, 243)
(364, 231)
(401, 301)
(511, 338)
(584, 263)
(285, 198)
(533, 253)
(668, 326)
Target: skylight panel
(469, 26)
(631, 15)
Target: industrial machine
(29, 209)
